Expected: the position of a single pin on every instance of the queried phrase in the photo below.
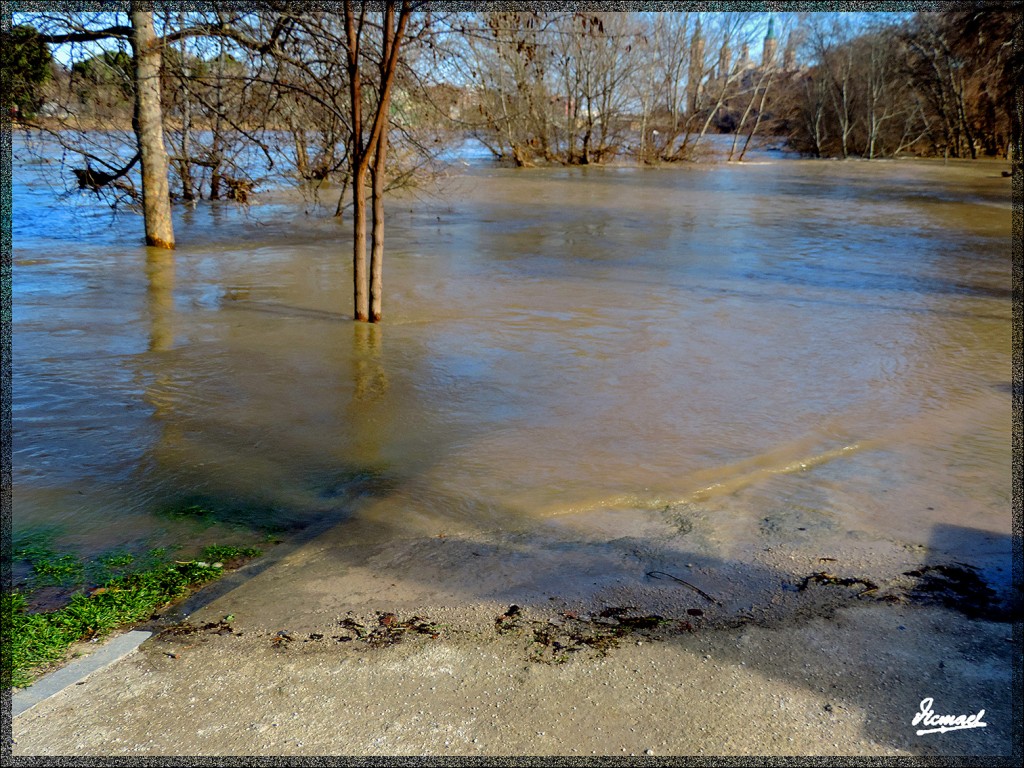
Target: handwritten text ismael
(941, 723)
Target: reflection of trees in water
(158, 393)
(367, 411)
(250, 448)
(160, 298)
(368, 375)
(181, 477)
(160, 276)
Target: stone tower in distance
(696, 69)
(771, 44)
(789, 55)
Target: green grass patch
(114, 560)
(57, 570)
(218, 553)
(33, 640)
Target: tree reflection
(160, 298)
(369, 377)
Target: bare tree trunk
(217, 144)
(643, 135)
(360, 296)
(148, 124)
(760, 113)
(361, 153)
(378, 174)
(301, 150)
(185, 166)
(341, 197)
(377, 253)
(743, 122)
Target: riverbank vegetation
(357, 101)
(65, 600)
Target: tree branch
(87, 37)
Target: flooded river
(790, 343)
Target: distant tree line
(542, 87)
(941, 83)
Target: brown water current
(782, 347)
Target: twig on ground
(699, 591)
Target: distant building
(696, 73)
(745, 77)
(724, 60)
(789, 55)
(744, 62)
(739, 78)
(771, 44)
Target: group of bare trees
(574, 87)
(324, 78)
(932, 84)
(587, 87)
(172, 103)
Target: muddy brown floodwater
(745, 354)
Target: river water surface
(786, 343)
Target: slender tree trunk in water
(377, 253)
(340, 207)
(301, 151)
(643, 136)
(187, 192)
(378, 175)
(374, 149)
(757, 119)
(360, 297)
(743, 121)
(217, 146)
(148, 124)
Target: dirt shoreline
(412, 646)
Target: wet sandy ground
(634, 646)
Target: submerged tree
(368, 145)
(147, 120)
(508, 57)
(149, 128)
(341, 70)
